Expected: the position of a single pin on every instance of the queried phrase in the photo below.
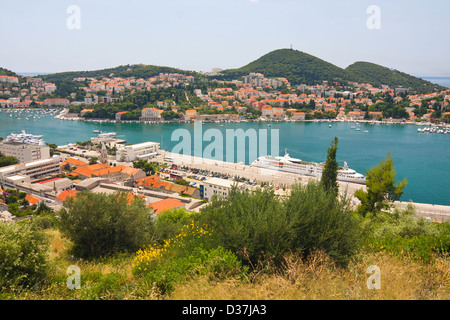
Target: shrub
(102, 225)
(23, 256)
(169, 223)
(318, 221)
(423, 247)
(402, 232)
(402, 223)
(43, 221)
(187, 254)
(252, 225)
(259, 226)
(98, 286)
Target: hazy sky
(202, 34)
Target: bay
(424, 159)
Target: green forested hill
(298, 67)
(6, 72)
(378, 75)
(138, 71)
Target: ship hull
(303, 169)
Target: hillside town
(254, 97)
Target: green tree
(182, 182)
(381, 188)
(148, 167)
(93, 160)
(8, 161)
(104, 224)
(330, 171)
(23, 256)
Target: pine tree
(330, 171)
(381, 188)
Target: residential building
(218, 187)
(119, 115)
(49, 88)
(9, 79)
(25, 152)
(56, 102)
(32, 200)
(300, 116)
(84, 111)
(150, 114)
(26, 172)
(135, 152)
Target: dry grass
(319, 279)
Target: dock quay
(280, 179)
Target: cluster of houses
(28, 95)
(112, 85)
(253, 92)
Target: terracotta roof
(74, 161)
(166, 204)
(83, 171)
(98, 166)
(106, 171)
(31, 199)
(50, 180)
(65, 194)
(177, 188)
(129, 170)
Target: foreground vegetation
(311, 244)
(236, 252)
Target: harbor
(422, 158)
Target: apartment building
(138, 151)
(29, 171)
(24, 152)
(218, 187)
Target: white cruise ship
(298, 166)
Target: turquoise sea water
(424, 159)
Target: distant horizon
(25, 73)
